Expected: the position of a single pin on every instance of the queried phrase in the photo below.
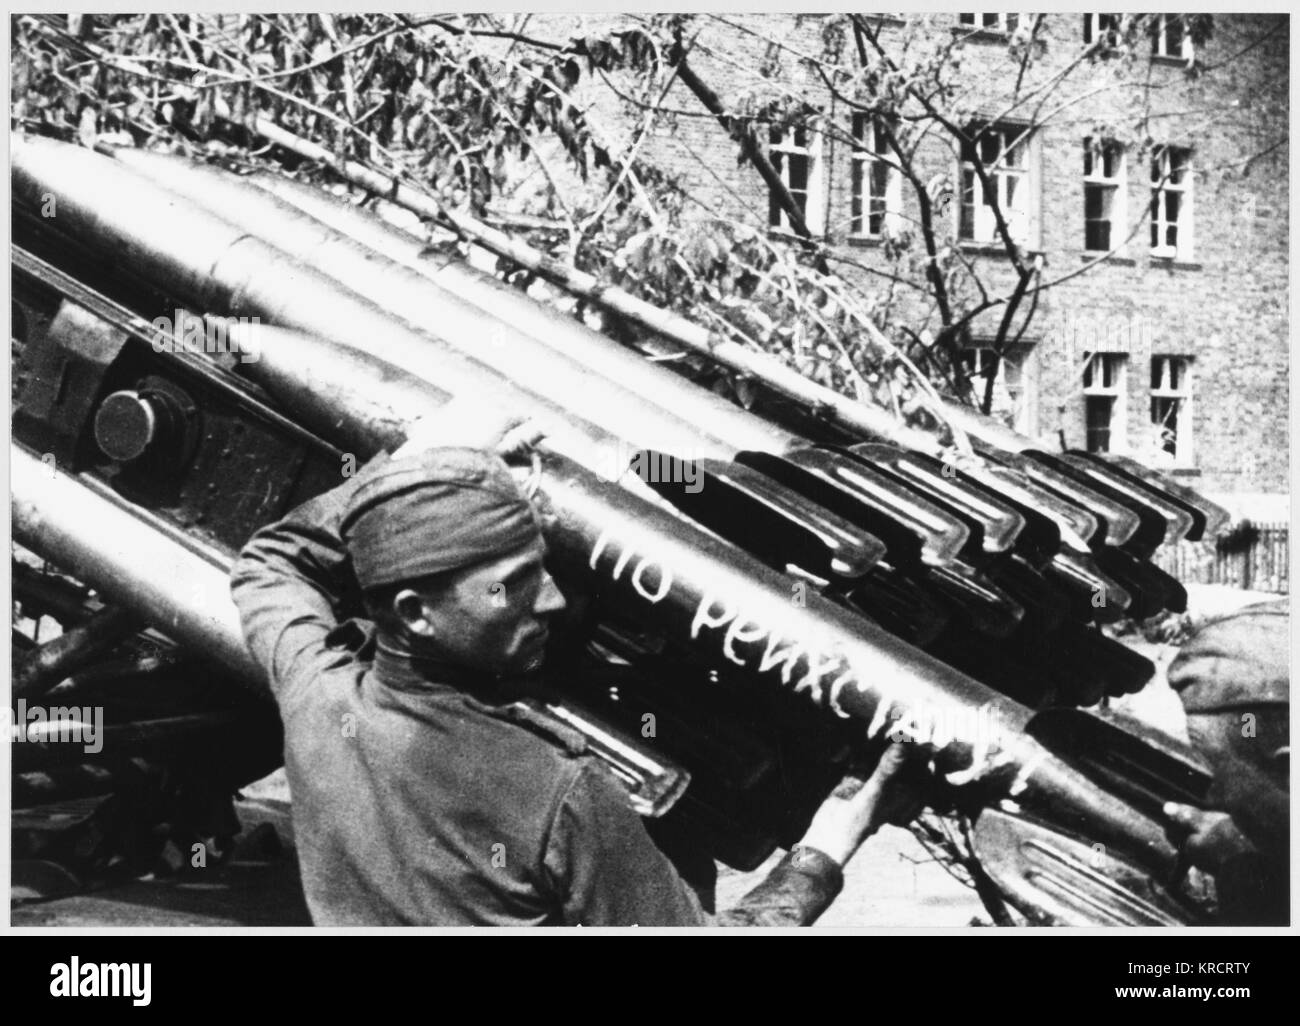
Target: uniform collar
(397, 667)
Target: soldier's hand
(464, 424)
(1208, 839)
(857, 809)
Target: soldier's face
(492, 617)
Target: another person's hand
(856, 810)
(1208, 839)
(464, 424)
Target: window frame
(1094, 151)
(814, 208)
(1159, 29)
(983, 224)
(1094, 28)
(1000, 26)
(1181, 393)
(1116, 391)
(862, 159)
(1162, 185)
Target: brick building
(1174, 348)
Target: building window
(796, 156)
(1171, 202)
(1169, 37)
(877, 184)
(1103, 28)
(1004, 153)
(1103, 401)
(1103, 195)
(1171, 406)
(990, 22)
(1014, 401)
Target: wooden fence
(1255, 557)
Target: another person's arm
(1253, 890)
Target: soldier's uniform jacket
(416, 802)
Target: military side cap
(438, 510)
(1239, 660)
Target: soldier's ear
(1282, 761)
(411, 609)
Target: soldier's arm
(796, 892)
(608, 872)
(289, 584)
(809, 878)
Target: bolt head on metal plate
(125, 425)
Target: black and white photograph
(706, 469)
